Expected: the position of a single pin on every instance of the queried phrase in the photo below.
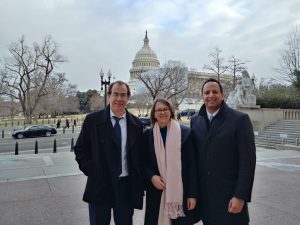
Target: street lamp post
(105, 83)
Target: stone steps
(280, 132)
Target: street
(45, 144)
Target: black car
(188, 112)
(34, 131)
(145, 121)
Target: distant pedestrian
(58, 124)
(67, 123)
(74, 122)
(178, 116)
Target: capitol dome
(146, 51)
(145, 60)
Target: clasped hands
(159, 184)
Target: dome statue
(145, 60)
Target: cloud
(95, 34)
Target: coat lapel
(213, 128)
(104, 127)
(132, 130)
(215, 125)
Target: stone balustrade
(291, 114)
(263, 117)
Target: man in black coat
(108, 151)
(225, 144)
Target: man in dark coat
(225, 144)
(108, 151)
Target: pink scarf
(169, 166)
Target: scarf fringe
(174, 210)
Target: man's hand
(235, 205)
(191, 203)
(158, 182)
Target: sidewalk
(42, 189)
(46, 189)
(42, 165)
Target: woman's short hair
(165, 102)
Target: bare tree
(13, 108)
(179, 81)
(27, 74)
(297, 81)
(71, 104)
(142, 101)
(217, 64)
(169, 82)
(236, 67)
(9, 107)
(155, 81)
(2, 107)
(289, 62)
(96, 102)
(62, 100)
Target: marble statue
(242, 95)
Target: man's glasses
(121, 95)
(162, 110)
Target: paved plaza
(46, 189)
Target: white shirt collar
(112, 114)
(213, 114)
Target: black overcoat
(188, 167)
(99, 158)
(226, 163)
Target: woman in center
(170, 171)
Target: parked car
(34, 131)
(145, 121)
(188, 112)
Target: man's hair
(118, 82)
(212, 80)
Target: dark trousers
(187, 220)
(208, 223)
(100, 213)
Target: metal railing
(270, 141)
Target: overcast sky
(95, 34)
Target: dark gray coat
(99, 158)
(189, 173)
(226, 162)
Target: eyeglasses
(162, 110)
(121, 95)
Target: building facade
(196, 80)
(146, 60)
